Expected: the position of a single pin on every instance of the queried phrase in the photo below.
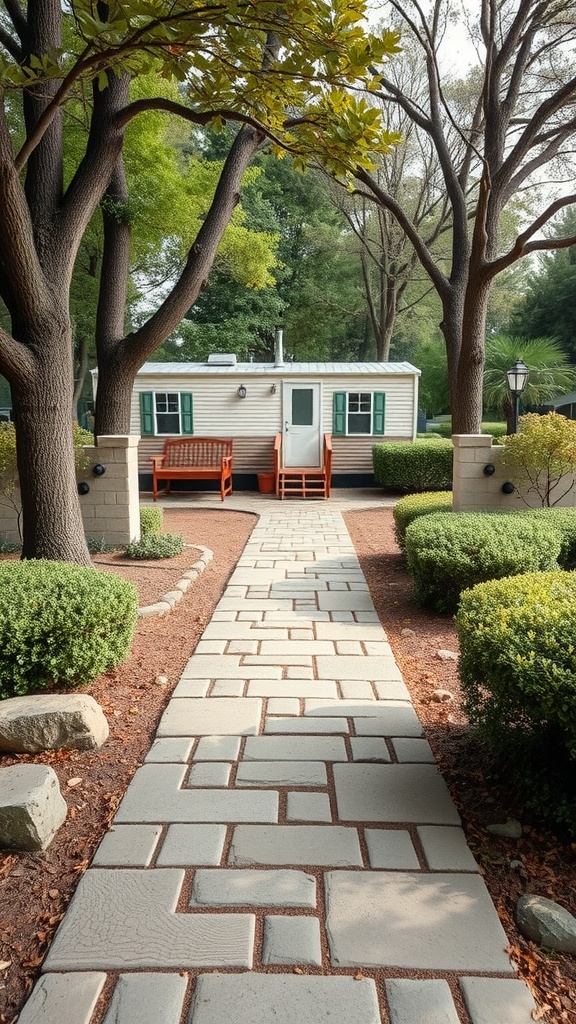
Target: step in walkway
(289, 853)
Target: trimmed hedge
(155, 545)
(564, 521)
(61, 625)
(414, 505)
(444, 429)
(518, 672)
(449, 552)
(413, 465)
(151, 521)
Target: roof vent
(222, 359)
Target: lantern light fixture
(242, 391)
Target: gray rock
(407, 632)
(509, 829)
(442, 696)
(31, 807)
(50, 721)
(447, 655)
(547, 923)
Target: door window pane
(302, 407)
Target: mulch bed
(35, 888)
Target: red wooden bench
(194, 458)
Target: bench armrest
(157, 461)
(226, 461)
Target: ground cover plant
(155, 545)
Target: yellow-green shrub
(414, 505)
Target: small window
(359, 412)
(167, 409)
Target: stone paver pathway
(289, 853)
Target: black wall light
(489, 470)
(508, 488)
(98, 469)
(241, 391)
(83, 488)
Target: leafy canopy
(248, 62)
(542, 454)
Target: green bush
(448, 552)
(496, 429)
(61, 625)
(156, 545)
(518, 672)
(564, 521)
(414, 505)
(413, 465)
(151, 521)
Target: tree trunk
(52, 524)
(82, 368)
(113, 395)
(451, 327)
(467, 411)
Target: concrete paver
(425, 1002)
(244, 998)
(415, 921)
(220, 888)
(273, 782)
(147, 999)
(292, 940)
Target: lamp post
(517, 377)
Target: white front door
(301, 434)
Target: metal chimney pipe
(279, 347)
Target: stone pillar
(111, 510)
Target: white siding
(253, 421)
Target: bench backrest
(196, 451)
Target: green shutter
(186, 406)
(146, 412)
(339, 414)
(378, 407)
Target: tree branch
(523, 246)
(10, 44)
(17, 17)
(16, 361)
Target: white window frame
(170, 433)
(355, 433)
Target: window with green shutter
(358, 412)
(166, 413)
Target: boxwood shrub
(61, 625)
(449, 552)
(518, 672)
(155, 545)
(151, 521)
(413, 465)
(414, 505)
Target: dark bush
(415, 505)
(156, 545)
(518, 672)
(61, 625)
(413, 465)
(449, 552)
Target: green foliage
(434, 388)
(155, 545)
(518, 673)
(414, 505)
(413, 465)
(444, 428)
(541, 454)
(61, 625)
(550, 372)
(449, 552)
(151, 521)
(563, 520)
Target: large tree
(248, 62)
(495, 134)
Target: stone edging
(169, 601)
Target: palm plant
(550, 372)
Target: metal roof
(286, 370)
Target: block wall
(110, 510)
(474, 490)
